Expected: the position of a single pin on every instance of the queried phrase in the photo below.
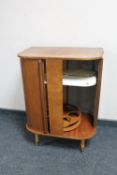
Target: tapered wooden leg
(82, 145)
(36, 139)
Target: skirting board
(101, 122)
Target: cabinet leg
(36, 139)
(82, 145)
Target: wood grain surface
(32, 92)
(72, 53)
(55, 95)
(98, 88)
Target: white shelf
(79, 78)
(79, 81)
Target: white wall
(25, 23)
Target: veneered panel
(55, 95)
(32, 91)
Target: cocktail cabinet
(62, 91)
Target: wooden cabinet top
(75, 53)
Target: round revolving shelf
(83, 78)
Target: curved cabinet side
(32, 93)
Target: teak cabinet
(46, 89)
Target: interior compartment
(77, 92)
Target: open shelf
(79, 81)
(79, 77)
